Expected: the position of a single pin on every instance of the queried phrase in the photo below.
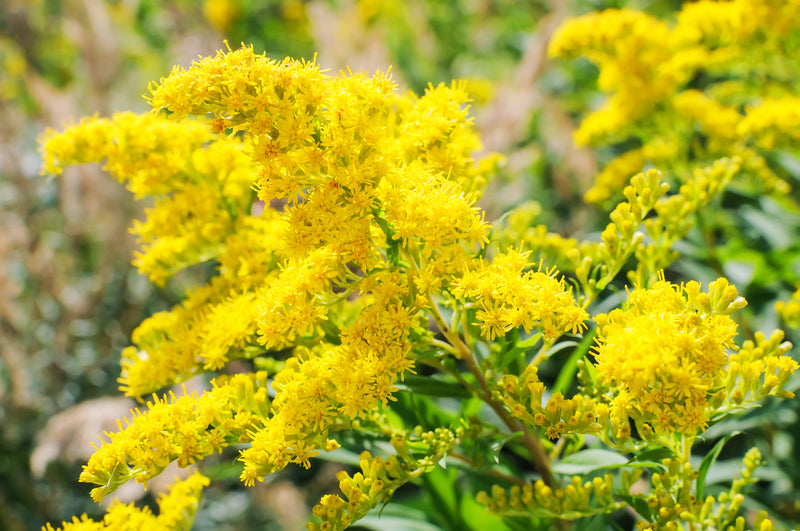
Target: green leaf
(529, 342)
(611, 523)
(224, 470)
(341, 456)
(568, 370)
(440, 485)
(639, 505)
(517, 351)
(497, 446)
(478, 518)
(655, 454)
(471, 407)
(393, 249)
(416, 409)
(593, 523)
(395, 523)
(560, 346)
(708, 460)
(650, 465)
(397, 517)
(588, 461)
(429, 386)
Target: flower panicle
(177, 508)
(185, 429)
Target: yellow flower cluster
(673, 503)
(185, 429)
(523, 397)
(369, 203)
(378, 480)
(597, 264)
(645, 67)
(773, 122)
(675, 217)
(634, 63)
(334, 384)
(761, 368)
(325, 145)
(362, 223)
(421, 206)
(718, 120)
(216, 323)
(508, 297)
(665, 354)
(617, 172)
(177, 508)
(577, 500)
(201, 184)
(790, 310)
(150, 154)
(719, 24)
(671, 498)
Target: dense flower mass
(378, 218)
(509, 298)
(348, 256)
(184, 429)
(665, 353)
(647, 68)
(176, 511)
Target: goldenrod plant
(378, 314)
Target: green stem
(464, 353)
(530, 442)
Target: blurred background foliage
(69, 297)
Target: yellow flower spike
(171, 429)
(499, 497)
(674, 396)
(177, 508)
(155, 156)
(772, 122)
(716, 119)
(763, 523)
(515, 498)
(740, 523)
(380, 226)
(789, 311)
(724, 298)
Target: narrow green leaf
(497, 446)
(426, 385)
(567, 372)
(588, 461)
(440, 485)
(655, 454)
(517, 351)
(397, 517)
(708, 460)
(529, 342)
(393, 246)
(478, 518)
(610, 522)
(639, 505)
